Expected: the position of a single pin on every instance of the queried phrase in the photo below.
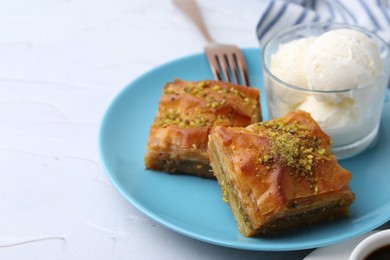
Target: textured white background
(61, 64)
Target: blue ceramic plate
(193, 206)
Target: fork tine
(213, 65)
(233, 68)
(221, 57)
(242, 67)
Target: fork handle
(191, 9)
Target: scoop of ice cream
(287, 65)
(341, 59)
(328, 114)
(287, 62)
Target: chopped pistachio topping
(219, 119)
(213, 96)
(216, 88)
(169, 89)
(168, 117)
(195, 89)
(290, 144)
(172, 117)
(238, 93)
(213, 103)
(199, 122)
(199, 89)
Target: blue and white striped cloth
(276, 15)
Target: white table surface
(61, 63)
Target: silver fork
(227, 62)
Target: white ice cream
(287, 64)
(328, 114)
(336, 60)
(341, 59)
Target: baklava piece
(187, 111)
(279, 174)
